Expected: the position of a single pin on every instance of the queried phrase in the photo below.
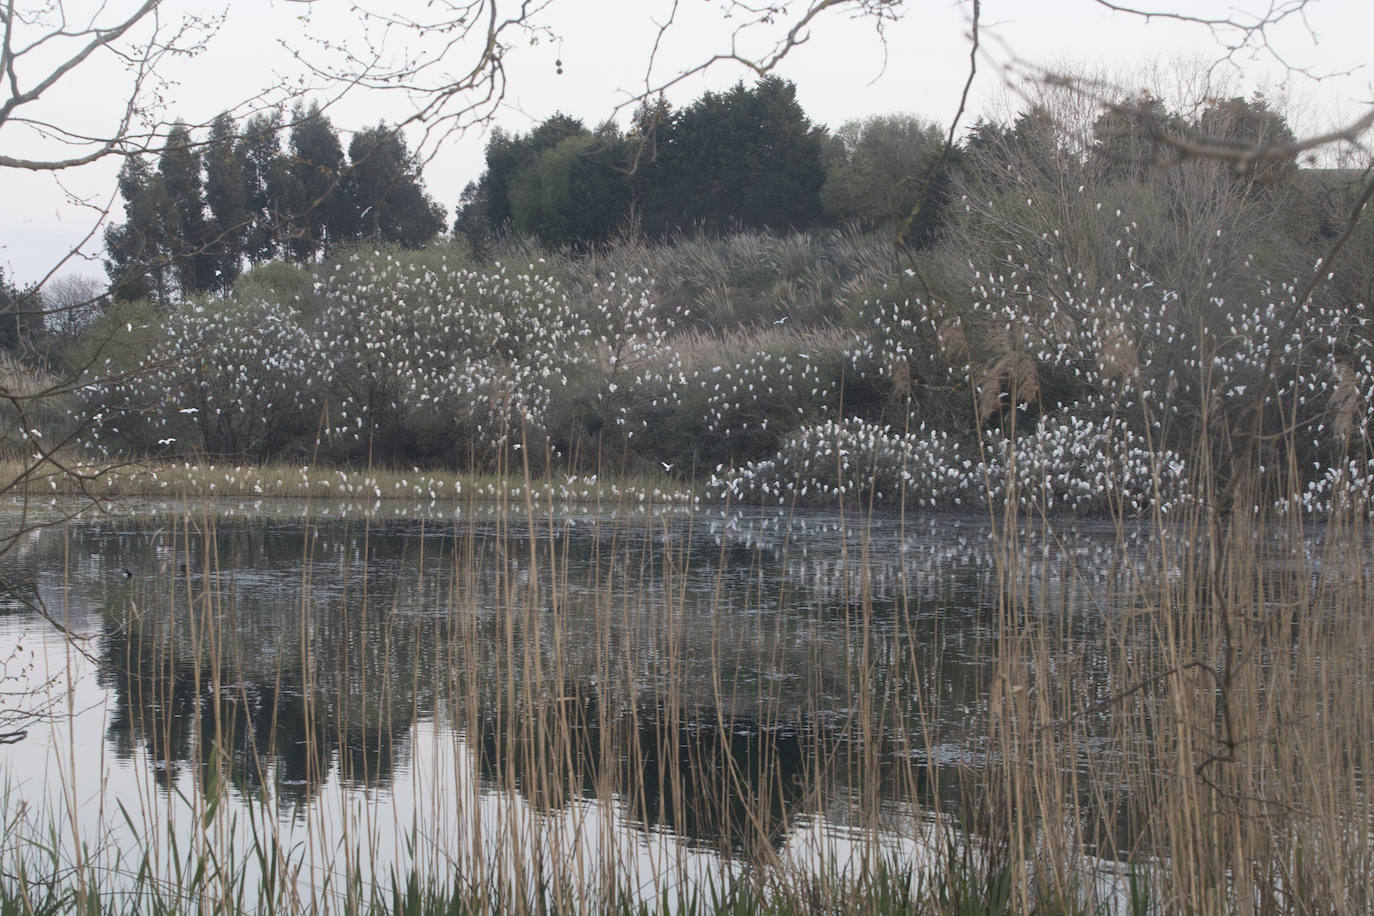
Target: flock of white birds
(1073, 399)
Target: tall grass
(1180, 723)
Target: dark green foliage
(573, 193)
(266, 176)
(1245, 125)
(385, 189)
(471, 219)
(226, 195)
(488, 206)
(1131, 139)
(553, 131)
(136, 258)
(187, 239)
(505, 156)
(1128, 138)
(1004, 156)
(211, 206)
(985, 136)
(21, 316)
(747, 157)
(320, 216)
(281, 281)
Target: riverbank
(211, 480)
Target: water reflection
(722, 678)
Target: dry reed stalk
(1241, 653)
(1197, 708)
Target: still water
(654, 691)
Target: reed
(542, 722)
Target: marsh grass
(35, 404)
(210, 480)
(1186, 729)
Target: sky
(845, 69)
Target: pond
(649, 694)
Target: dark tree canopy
(386, 191)
(1128, 138)
(188, 237)
(322, 216)
(1025, 149)
(1248, 124)
(21, 315)
(746, 157)
(576, 192)
(236, 196)
(136, 249)
(226, 195)
(266, 180)
(487, 206)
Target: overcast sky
(843, 71)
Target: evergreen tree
(878, 173)
(505, 154)
(471, 215)
(647, 125)
(226, 194)
(137, 258)
(1246, 125)
(385, 190)
(1128, 138)
(575, 193)
(21, 316)
(1028, 150)
(267, 183)
(488, 210)
(747, 157)
(187, 239)
(320, 215)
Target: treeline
(283, 186)
(747, 158)
(209, 206)
(20, 319)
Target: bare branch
(102, 38)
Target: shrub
(852, 461)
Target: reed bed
(538, 723)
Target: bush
(852, 461)
(398, 360)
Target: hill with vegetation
(1061, 309)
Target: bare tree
(70, 303)
(44, 55)
(1207, 151)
